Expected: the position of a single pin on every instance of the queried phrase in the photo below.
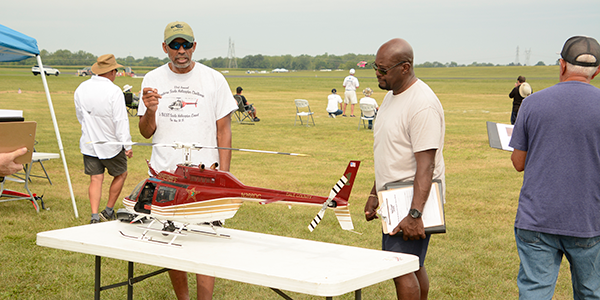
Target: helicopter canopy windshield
(136, 190)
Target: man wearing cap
(521, 90)
(556, 141)
(249, 107)
(100, 109)
(333, 100)
(204, 120)
(350, 84)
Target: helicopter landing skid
(169, 228)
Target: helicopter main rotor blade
(194, 146)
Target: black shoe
(104, 216)
(256, 119)
(94, 221)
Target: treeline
(259, 61)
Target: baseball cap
(352, 71)
(580, 45)
(178, 29)
(239, 89)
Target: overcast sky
(463, 31)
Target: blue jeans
(541, 255)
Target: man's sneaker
(256, 119)
(104, 216)
(94, 221)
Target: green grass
(475, 259)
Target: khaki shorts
(115, 166)
(350, 97)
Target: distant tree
(540, 63)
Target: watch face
(415, 213)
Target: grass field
(475, 259)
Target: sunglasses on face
(176, 45)
(384, 72)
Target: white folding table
(281, 263)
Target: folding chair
(241, 114)
(303, 110)
(367, 114)
(131, 106)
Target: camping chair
(366, 110)
(303, 110)
(241, 114)
(131, 106)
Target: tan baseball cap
(105, 64)
(178, 29)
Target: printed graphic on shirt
(180, 104)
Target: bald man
(408, 144)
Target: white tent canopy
(15, 46)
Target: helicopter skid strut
(169, 228)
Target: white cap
(352, 71)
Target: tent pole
(60, 145)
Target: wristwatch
(415, 213)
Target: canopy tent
(15, 46)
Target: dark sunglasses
(176, 45)
(384, 72)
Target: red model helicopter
(194, 195)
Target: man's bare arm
(224, 140)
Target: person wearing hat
(521, 90)
(368, 100)
(350, 84)
(249, 107)
(207, 123)
(100, 109)
(333, 100)
(556, 141)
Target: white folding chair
(303, 110)
(367, 114)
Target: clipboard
(15, 135)
(395, 201)
(499, 135)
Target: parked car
(48, 70)
(85, 72)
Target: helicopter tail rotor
(342, 190)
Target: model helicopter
(194, 194)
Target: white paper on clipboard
(395, 202)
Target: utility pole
(517, 57)
(527, 55)
(232, 60)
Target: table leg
(97, 278)
(129, 280)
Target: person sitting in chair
(368, 100)
(249, 107)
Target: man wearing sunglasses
(187, 102)
(408, 144)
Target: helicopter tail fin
(350, 174)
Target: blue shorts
(396, 243)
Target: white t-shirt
(371, 101)
(332, 102)
(350, 83)
(100, 109)
(190, 106)
(412, 121)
